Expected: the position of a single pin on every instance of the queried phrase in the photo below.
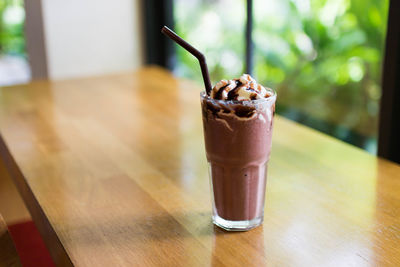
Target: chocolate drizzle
(253, 96)
(234, 92)
(218, 94)
(244, 88)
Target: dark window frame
(158, 49)
(389, 115)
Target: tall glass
(238, 143)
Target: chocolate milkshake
(237, 120)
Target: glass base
(237, 225)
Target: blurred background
(68, 39)
(14, 67)
(323, 57)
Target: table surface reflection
(113, 171)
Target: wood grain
(113, 171)
(8, 253)
(12, 207)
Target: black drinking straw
(202, 60)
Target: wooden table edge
(8, 252)
(53, 243)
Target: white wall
(91, 37)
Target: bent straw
(202, 60)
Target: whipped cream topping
(241, 89)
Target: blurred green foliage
(323, 57)
(12, 17)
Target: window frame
(389, 115)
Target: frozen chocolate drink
(237, 120)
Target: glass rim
(271, 98)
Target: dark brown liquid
(238, 148)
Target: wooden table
(114, 173)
